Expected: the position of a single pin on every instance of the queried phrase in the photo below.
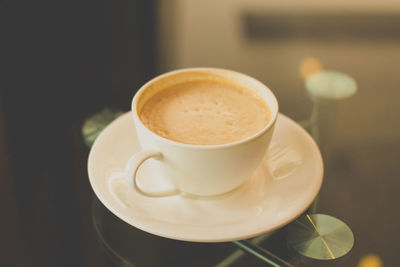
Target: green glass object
(330, 85)
(95, 124)
(320, 236)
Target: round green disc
(320, 236)
(330, 85)
(95, 124)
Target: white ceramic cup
(200, 170)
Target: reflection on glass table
(124, 245)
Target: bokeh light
(370, 260)
(309, 66)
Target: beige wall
(209, 33)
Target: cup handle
(132, 168)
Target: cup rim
(205, 147)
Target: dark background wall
(60, 62)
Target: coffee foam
(205, 112)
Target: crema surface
(205, 112)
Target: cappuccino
(205, 112)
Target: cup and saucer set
(206, 193)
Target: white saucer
(281, 189)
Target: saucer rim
(176, 236)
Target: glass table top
(317, 238)
(360, 189)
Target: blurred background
(64, 61)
